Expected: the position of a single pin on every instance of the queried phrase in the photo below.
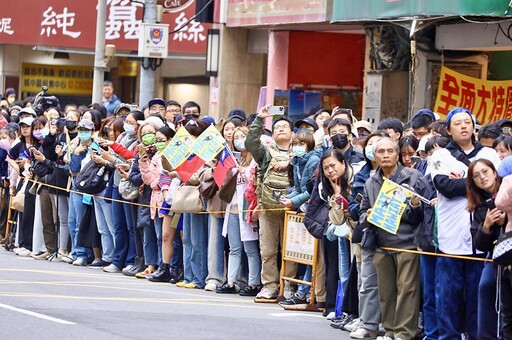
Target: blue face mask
(368, 151)
(299, 150)
(84, 136)
(129, 129)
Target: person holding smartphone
(482, 185)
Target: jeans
(195, 243)
(62, 204)
(428, 281)
(153, 242)
(344, 260)
(177, 256)
(305, 289)
(38, 232)
(124, 233)
(487, 315)
(457, 285)
(75, 213)
(105, 223)
(216, 250)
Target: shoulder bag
(187, 199)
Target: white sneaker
(331, 316)
(17, 250)
(111, 268)
(362, 333)
(80, 261)
(211, 286)
(353, 325)
(67, 259)
(385, 337)
(24, 252)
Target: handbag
(128, 190)
(502, 254)
(228, 189)
(187, 199)
(208, 188)
(18, 201)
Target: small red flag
(189, 167)
(225, 163)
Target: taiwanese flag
(189, 167)
(226, 162)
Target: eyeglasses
(174, 110)
(482, 174)
(281, 127)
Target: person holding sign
(398, 273)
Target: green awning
(351, 10)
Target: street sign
(153, 42)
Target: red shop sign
(72, 23)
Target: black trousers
(506, 303)
(27, 221)
(330, 249)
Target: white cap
(27, 121)
(158, 122)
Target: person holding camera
(482, 186)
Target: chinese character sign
(75, 80)
(389, 206)
(488, 100)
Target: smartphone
(276, 110)
(359, 198)
(489, 203)
(58, 121)
(415, 159)
(342, 202)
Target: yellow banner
(74, 80)
(389, 206)
(488, 100)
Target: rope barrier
(420, 252)
(147, 205)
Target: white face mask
(239, 144)
(368, 151)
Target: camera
(59, 122)
(43, 101)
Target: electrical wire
(484, 22)
(191, 19)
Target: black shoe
(99, 264)
(250, 291)
(176, 277)
(226, 289)
(294, 300)
(161, 275)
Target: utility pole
(99, 54)
(147, 74)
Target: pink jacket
(504, 200)
(151, 172)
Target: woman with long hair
(482, 185)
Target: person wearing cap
(19, 158)
(307, 123)
(122, 110)
(110, 100)
(191, 110)
(339, 130)
(238, 115)
(14, 110)
(457, 280)
(80, 156)
(157, 106)
(27, 112)
(506, 126)
(363, 128)
(421, 122)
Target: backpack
(92, 179)
(273, 184)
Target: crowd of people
(90, 186)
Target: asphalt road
(54, 300)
